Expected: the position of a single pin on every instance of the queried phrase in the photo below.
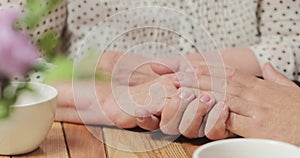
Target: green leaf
(49, 44)
(36, 10)
(5, 108)
(63, 70)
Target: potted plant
(26, 109)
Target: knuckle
(231, 73)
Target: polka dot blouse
(54, 21)
(269, 27)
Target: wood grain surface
(77, 141)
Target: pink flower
(17, 54)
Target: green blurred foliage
(36, 10)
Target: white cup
(29, 122)
(247, 148)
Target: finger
(270, 74)
(170, 65)
(190, 125)
(165, 66)
(146, 120)
(207, 83)
(240, 125)
(141, 75)
(185, 79)
(173, 111)
(239, 105)
(229, 73)
(107, 61)
(216, 122)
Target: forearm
(108, 61)
(243, 59)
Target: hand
(177, 64)
(253, 107)
(246, 61)
(185, 113)
(126, 69)
(84, 107)
(108, 112)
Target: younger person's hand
(253, 107)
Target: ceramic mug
(30, 120)
(247, 148)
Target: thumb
(270, 74)
(165, 66)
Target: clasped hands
(251, 107)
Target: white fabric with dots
(228, 24)
(280, 36)
(269, 27)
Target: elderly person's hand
(111, 106)
(252, 107)
(126, 69)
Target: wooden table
(76, 141)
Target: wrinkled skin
(140, 80)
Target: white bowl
(30, 121)
(247, 148)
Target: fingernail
(205, 98)
(184, 94)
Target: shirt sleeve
(280, 39)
